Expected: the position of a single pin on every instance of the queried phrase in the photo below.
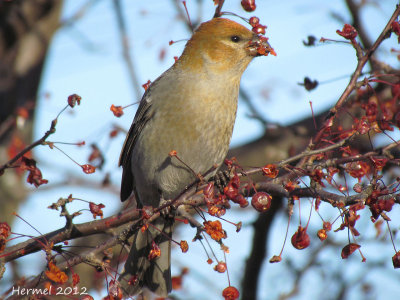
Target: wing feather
(143, 115)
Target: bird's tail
(145, 266)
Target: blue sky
(86, 58)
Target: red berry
(322, 234)
(300, 239)
(259, 29)
(241, 200)
(270, 170)
(396, 260)
(74, 99)
(357, 188)
(230, 293)
(254, 21)
(397, 119)
(248, 5)
(348, 32)
(220, 267)
(261, 201)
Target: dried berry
(300, 240)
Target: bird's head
(223, 46)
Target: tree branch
(126, 50)
(353, 81)
(40, 141)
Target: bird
(190, 109)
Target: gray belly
(200, 146)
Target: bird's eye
(235, 38)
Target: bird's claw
(221, 179)
(168, 210)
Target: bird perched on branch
(190, 109)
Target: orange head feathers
(220, 45)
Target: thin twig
(254, 112)
(353, 81)
(126, 49)
(40, 141)
(218, 9)
(64, 234)
(354, 9)
(309, 153)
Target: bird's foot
(167, 209)
(221, 179)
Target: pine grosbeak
(191, 109)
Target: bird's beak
(259, 46)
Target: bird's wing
(143, 115)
